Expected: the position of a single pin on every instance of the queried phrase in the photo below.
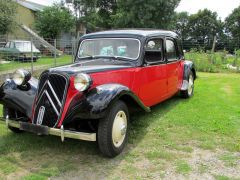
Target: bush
(213, 62)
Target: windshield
(117, 47)
(25, 46)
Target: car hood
(92, 66)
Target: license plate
(33, 128)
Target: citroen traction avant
(115, 72)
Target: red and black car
(114, 73)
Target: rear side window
(154, 51)
(171, 50)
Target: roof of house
(31, 5)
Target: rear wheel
(190, 90)
(12, 115)
(113, 130)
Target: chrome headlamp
(21, 77)
(82, 82)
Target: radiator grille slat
(51, 95)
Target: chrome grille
(50, 99)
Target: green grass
(42, 63)
(182, 167)
(162, 140)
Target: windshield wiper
(119, 58)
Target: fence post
(31, 55)
(214, 44)
(73, 49)
(55, 52)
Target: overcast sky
(222, 7)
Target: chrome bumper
(44, 130)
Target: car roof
(135, 32)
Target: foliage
(145, 14)
(94, 14)
(7, 15)
(106, 14)
(182, 24)
(53, 20)
(204, 25)
(232, 23)
(213, 62)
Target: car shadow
(77, 155)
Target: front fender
(95, 104)
(19, 98)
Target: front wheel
(189, 91)
(113, 130)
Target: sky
(222, 7)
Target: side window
(171, 50)
(154, 51)
(12, 45)
(7, 45)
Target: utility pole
(214, 44)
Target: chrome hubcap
(119, 129)
(190, 85)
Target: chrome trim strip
(59, 103)
(54, 107)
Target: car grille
(50, 99)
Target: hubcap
(119, 129)
(190, 85)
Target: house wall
(23, 16)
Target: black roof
(134, 32)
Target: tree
(232, 23)
(145, 14)
(7, 15)
(94, 14)
(181, 25)
(53, 20)
(204, 25)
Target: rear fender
(187, 68)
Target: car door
(151, 78)
(173, 64)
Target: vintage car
(115, 73)
(20, 51)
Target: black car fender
(19, 98)
(187, 68)
(96, 103)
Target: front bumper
(44, 130)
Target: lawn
(42, 63)
(197, 138)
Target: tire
(11, 114)
(113, 130)
(190, 91)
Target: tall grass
(214, 62)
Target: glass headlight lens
(82, 82)
(18, 77)
(21, 77)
